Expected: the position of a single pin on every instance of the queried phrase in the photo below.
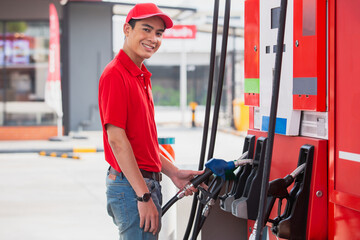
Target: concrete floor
(45, 198)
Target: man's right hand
(149, 216)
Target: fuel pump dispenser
(301, 88)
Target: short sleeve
(114, 100)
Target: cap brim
(167, 20)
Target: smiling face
(142, 41)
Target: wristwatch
(144, 198)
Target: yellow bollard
(241, 115)
(193, 106)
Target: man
(129, 130)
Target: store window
(165, 85)
(23, 72)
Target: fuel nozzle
(278, 187)
(219, 166)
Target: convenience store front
(85, 40)
(24, 66)
(24, 51)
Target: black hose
(169, 204)
(194, 182)
(198, 227)
(210, 85)
(191, 217)
(201, 178)
(272, 120)
(214, 188)
(217, 100)
(221, 79)
(207, 111)
(202, 221)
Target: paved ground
(45, 198)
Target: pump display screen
(309, 18)
(275, 17)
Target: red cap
(146, 10)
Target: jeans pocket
(112, 180)
(150, 184)
(116, 207)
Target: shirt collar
(134, 70)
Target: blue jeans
(122, 207)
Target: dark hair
(132, 22)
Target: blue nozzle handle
(220, 166)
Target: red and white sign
(53, 83)
(181, 32)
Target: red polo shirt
(125, 100)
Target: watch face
(146, 197)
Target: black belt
(151, 175)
